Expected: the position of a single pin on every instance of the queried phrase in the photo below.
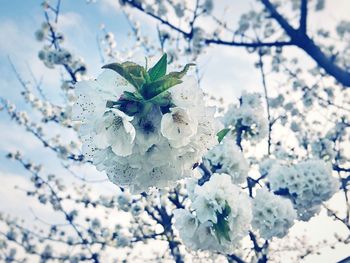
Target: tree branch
(345, 260)
(235, 258)
(303, 41)
(303, 16)
(298, 38)
(207, 40)
(207, 174)
(327, 63)
(161, 20)
(278, 17)
(248, 44)
(263, 79)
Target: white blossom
(187, 94)
(208, 6)
(228, 158)
(115, 130)
(307, 184)
(186, 223)
(323, 148)
(179, 10)
(223, 213)
(144, 150)
(265, 166)
(247, 118)
(272, 215)
(178, 126)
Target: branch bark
(345, 260)
(298, 38)
(303, 16)
(304, 42)
(247, 44)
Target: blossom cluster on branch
(307, 184)
(222, 216)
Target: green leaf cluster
(151, 86)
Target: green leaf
(111, 104)
(137, 81)
(146, 76)
(127, 95)
(146, 107)
(180, 74)
(221, 228)
(162, 99)
(131, 108)
(221, 134)
(155, 88)
(132, 72)
(159, 69)
(222, 231)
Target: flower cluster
(221, 218)
(49, 111)
(247, 118)
(307, 184)
(52, 57)
(53, 54)
(323, 148)
(343, 28)
(227, 158)
(144, 128)
(43, 33)
(272, 215)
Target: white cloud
(107, 5)
(13, 188)
(12, 37)
(18, 43)
(68, 20)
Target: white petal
(122, 145)
(111, 82)
(178, 126)
(129, 129)
(100, 140)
